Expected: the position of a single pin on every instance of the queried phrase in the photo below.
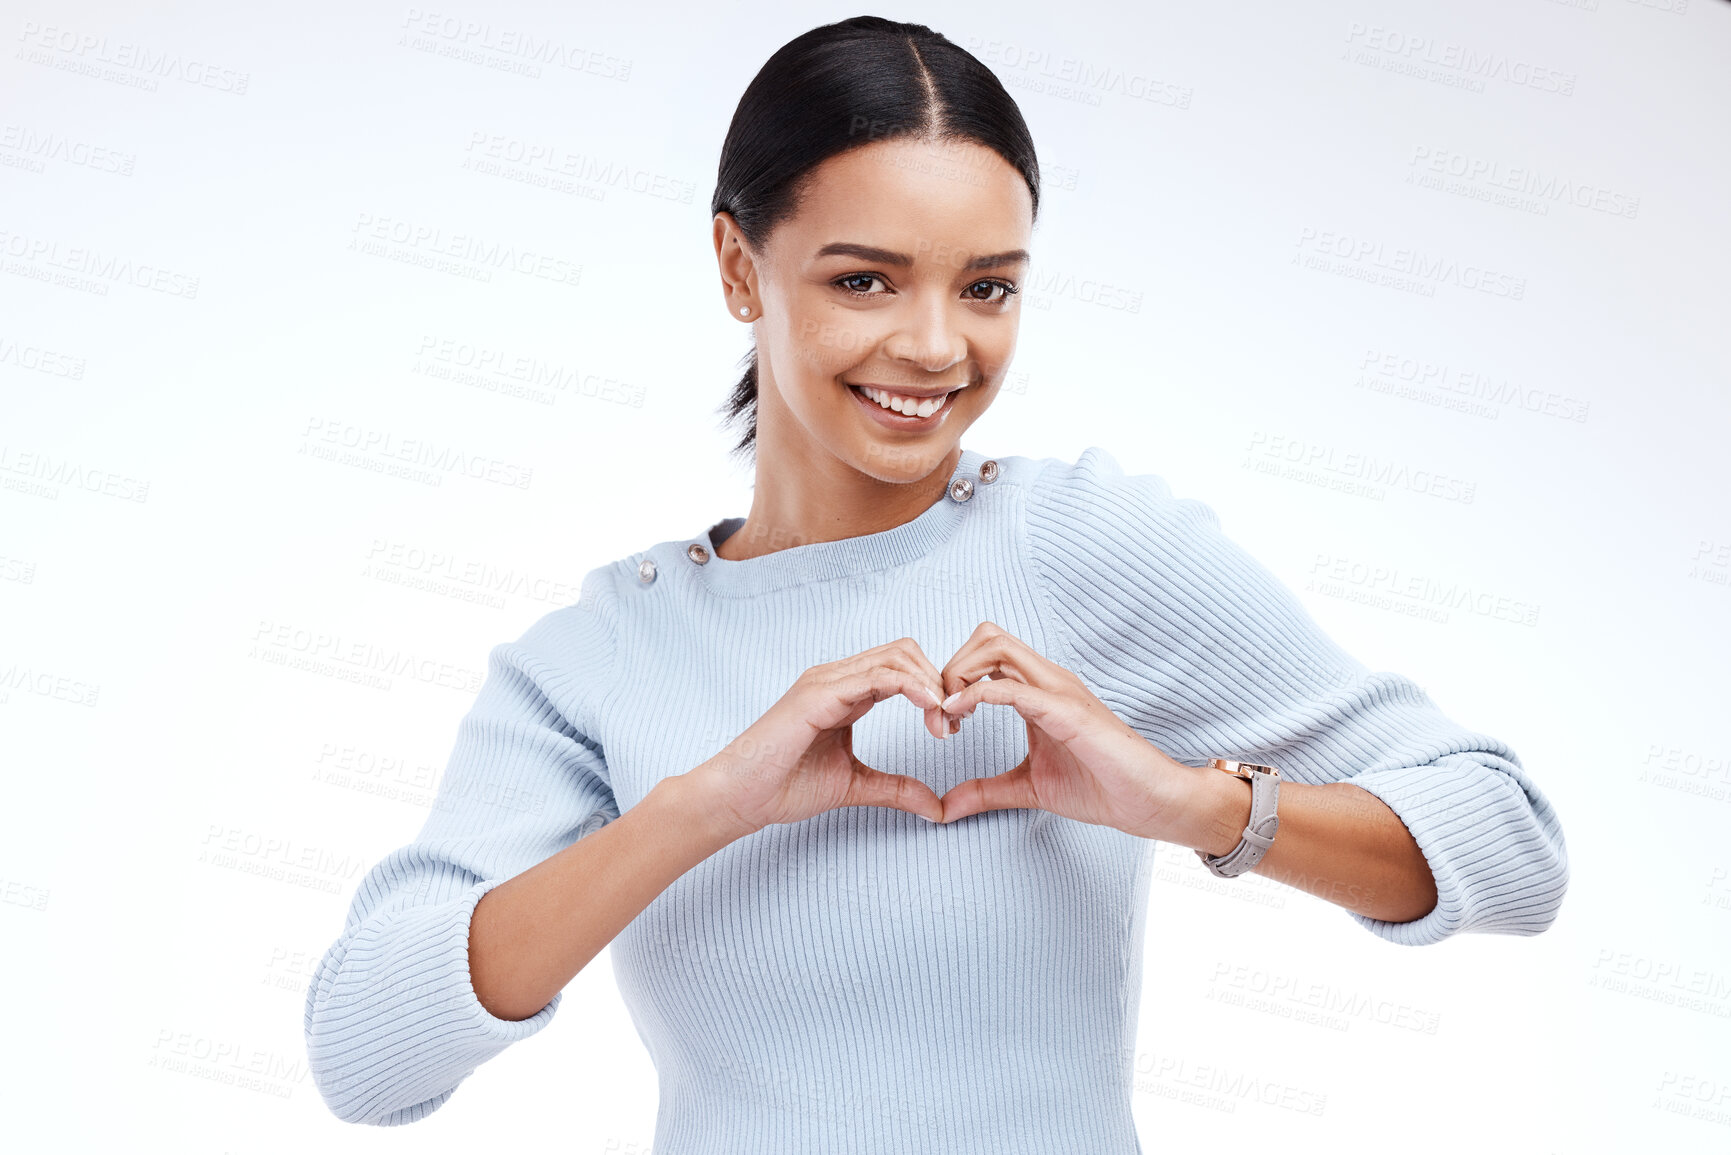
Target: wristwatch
(1259, 834)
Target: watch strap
(1258, 835)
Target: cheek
(995, 348)
(824, 341)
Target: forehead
(900, 193)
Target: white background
(184, 319)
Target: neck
(804, 497)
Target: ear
(736, 262)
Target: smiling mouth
(914, 408)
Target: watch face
(1245, 769)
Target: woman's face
(897, 276)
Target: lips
(915, 394)
(894, 420)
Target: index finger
(907, 653)
(993, 652)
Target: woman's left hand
(1084, 762)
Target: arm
(1202, 651)
(532, 934)
(1336, 840)
(434, 973)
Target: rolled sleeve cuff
(1497, 863)
(404, 1027)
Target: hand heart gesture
(1084, 762)
(798, 761)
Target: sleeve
(392, 1022)
(1202, 650)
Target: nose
(928, 337)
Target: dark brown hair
(839, 87)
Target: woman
(840, 928)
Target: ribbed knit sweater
(865, 980)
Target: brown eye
(1007, 288)
(848, 283)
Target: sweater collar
(824, 560)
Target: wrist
(697, 797)
(1218, 812)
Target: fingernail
(951, 700)
(923, 818)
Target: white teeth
(907, 406)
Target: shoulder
(1091, 504)
(575, 643)
(1134, 567)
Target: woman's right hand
(797, 760)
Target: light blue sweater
(864, 980)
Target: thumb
(1011, 790)
(875, 788)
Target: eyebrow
(902, 260)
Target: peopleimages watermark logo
(1075, 78)
(1525, 187)
(1320, 1003)
(1672, 767)
(88, 270)
(31, 150)
(23, 894)
(27, 679)
(42, 474)
(411, 458)
(122, 62)
(519, 375)
(1445, 62)
(558, 169)
(37, 359)
(228, 1062)
(1466, 389)
(1711, 563)
(1358, 474)
(1675, 982)
(472, 579)
(460, 254)
(351, 660)
(503, 48)
(1400, 267)
(1213, 1085)
(1388, 587)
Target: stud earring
(745, 310)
